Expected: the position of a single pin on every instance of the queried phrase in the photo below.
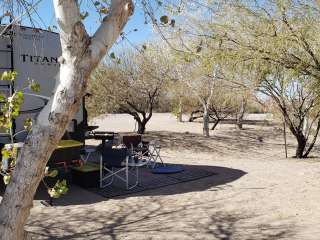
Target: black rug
(149, 180)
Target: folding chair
(131, 141)
(153, 154)
(86, 153)
(138, 148)
(116, 163)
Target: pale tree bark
(205, 101)
(80, 55)
(205, 120)
(180, 110)
(241, 113)
(202, 90)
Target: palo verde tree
(81, 53)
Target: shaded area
(202, 178)
(234, 121)
(156, 219)
(243, 141)
(150, 181)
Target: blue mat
(167, 169)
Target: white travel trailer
(33, 54)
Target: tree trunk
(179, 117)
(141, 127)
(205, 121)
(239, 122)
(215, 124)
(301, 146)
(311, 145)
(241, 114)
(192, 117)
(141, 122)
(80, 55)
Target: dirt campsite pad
(256, 194)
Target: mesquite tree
(202, 86)
(132, 85)
(269, 34)
(298, 105)
(223, 105)
(179, 97)
(81, 53)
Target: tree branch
(110, 28)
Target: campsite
(256, 194)
(124, 119)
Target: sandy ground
(257, 194)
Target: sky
(45, 17)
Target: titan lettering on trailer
(35, 56)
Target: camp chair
(131, 141)
(86, 153)
(153, 156)
(138, 149)
(116, 163)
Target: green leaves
(6, 179)
(112, 55)
(15, 103)
(60, 188)
(10, 106)
(144, 46)
(8, 76)
(164, 19)
(103, 10)
(8, 161)
(2, 98)
(10, 109)
(34, 86)
(27, 124)
(101, 7)
(6, 154)
(115, 58)
(84, 15)
(53, 173)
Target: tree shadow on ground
(241, 141)
(157, 219)
(222, 176)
